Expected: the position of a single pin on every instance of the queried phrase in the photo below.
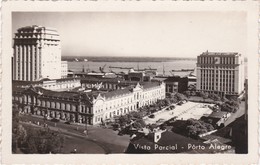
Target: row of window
(216, 60)
(221, 88)
(54, 105)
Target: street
(98, 140)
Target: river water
(160, 66)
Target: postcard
(129, 82)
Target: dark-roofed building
(111, 84)
(173, 83)
(218, 118)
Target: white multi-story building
(64, 69)
(86, 107)
(37, 54)
(221, 73)
(123, 101)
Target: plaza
(181, 112)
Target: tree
(204, 95)
(167, 102)
(224, 99)
(163, 126)
(180, 97)
(214, 97)
(44, 141)
(196, 127)
(193, 93)
(139, 124)
(18, 131)
(19, 137)
(187, 93)
(230, 106)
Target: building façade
(221, 73)
(91, 107)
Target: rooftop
(207, 53)
(218, 114)
(36, 27)
(26, 83)
(73, 94)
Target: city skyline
(142, 34)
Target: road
(237, 114)
(98, 140)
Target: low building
(86, 107)
(218, 118)
(105, 83)
(173, 83)
(141, 75)
(78, 74)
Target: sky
(142, 34)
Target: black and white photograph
(130, 82)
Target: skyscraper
(221, 73)
(37, 54)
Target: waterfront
(168, 66)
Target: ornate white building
(86, 107)
(221, 73)
(122, 101)
(37, 54)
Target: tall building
(64, 69)
(37, 54)
(221, 73)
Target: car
(67, 122)
(160, 121)
(172, 107)
(152, 116)
(179, 103)
(55, 120)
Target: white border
(251, 7)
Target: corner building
(221, 73)
(86, 107)
(37, 54)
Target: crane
(102, 68)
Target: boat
(118, 67)
(183, 70)
(85, 60)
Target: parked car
(67, 122)
(172, 107)
(152, 116)
(160, 121)
(55, 120)
(180, 103)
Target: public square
(182, 112)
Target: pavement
(234, 116)
(98, 139)
(182, 112)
